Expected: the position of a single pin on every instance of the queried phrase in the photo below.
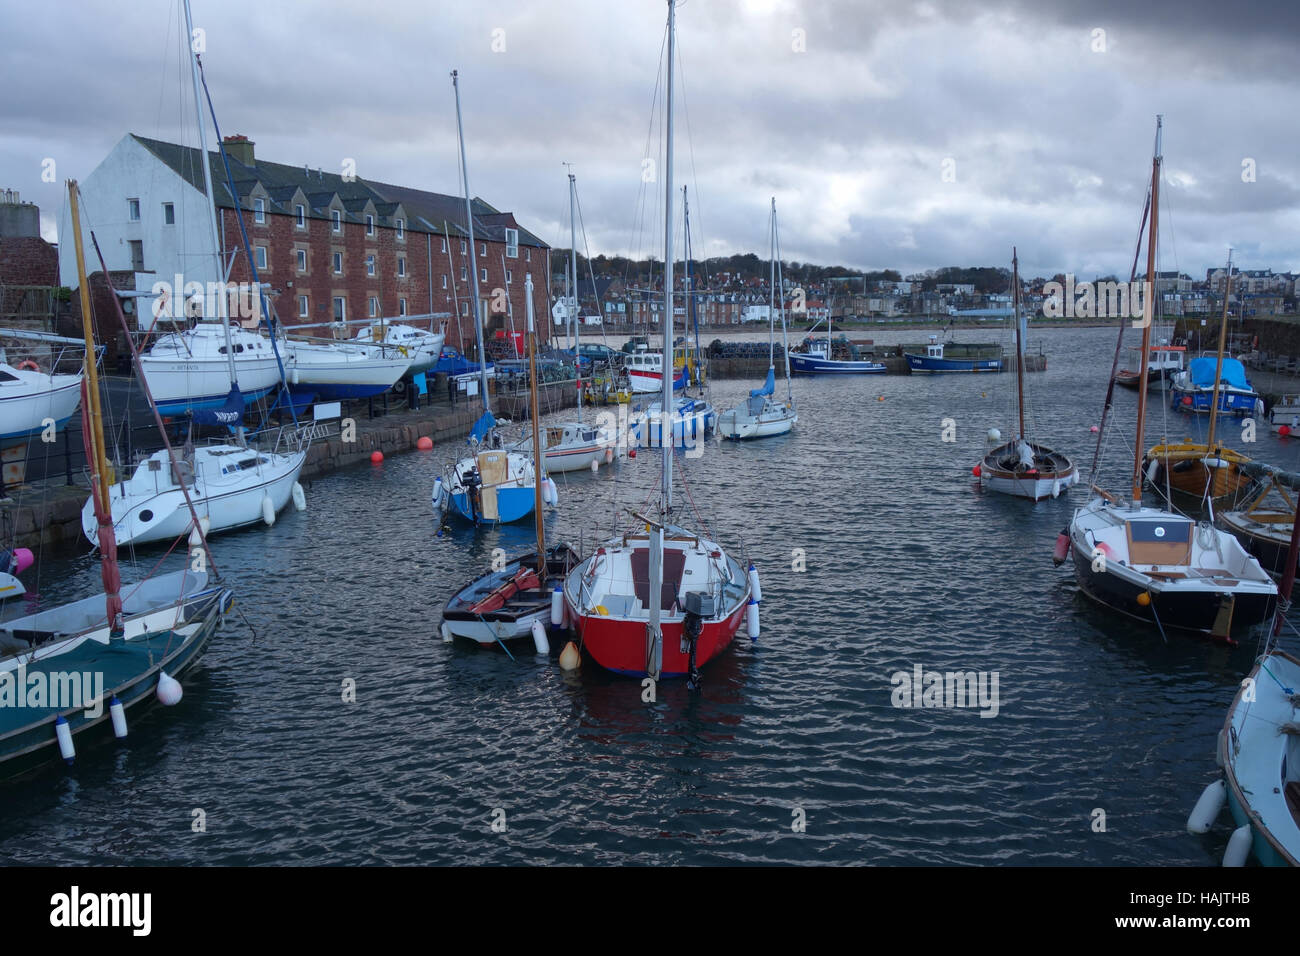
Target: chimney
(240, 148)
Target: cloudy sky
(906, 135)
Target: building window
(302, 260)
(401, 229)
(464, 308)
(444, 243)
(512, 243)
(338, 263)
(169, 214)
(261, 256)
(444, 282)
(528, 255)
(374, 307)
(463, 249)
(401, 307)
(133, 211)
(337, 218)
(340, 308)
(137, 254)
(370, 225)
(482, 248)
(482, 275)
(370, 265)
(259, 210)
(300, 211)
(303, 310)
(401, 267)
(507, 277)
(464, 274)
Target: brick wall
(282, 239)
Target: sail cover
(482, 427)
(1025, 453)
(231, 411)
(768, 387)
(1202, 369)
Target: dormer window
(401, 229)
(370, 225)
(300, 212)
(512, 243)
(259, 211)
(336, 218)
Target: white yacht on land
(28, 397)
(338, 370)
(423, 346)
(190, 370)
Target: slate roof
(425, 211)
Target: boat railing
(290, 439)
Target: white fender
(169, 689)
(557, 607)
(1208, 807)
(595, 466)
(447, 636)
(754, 589)
(751, 614)
(63, 733)
(118, 715)
(268, 510)
(540, 643)
(299, 497)
(1152, 468)
(1238, 851)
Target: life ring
(29, 365)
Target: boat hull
(619, 645)
(1054, 473)
(513, 620)
(927, 364)
(26, 404)
(813, 365)
(513, 504)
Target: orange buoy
(425, 443)
(29, 365)
(631, 453)
(1144, 598)
(1284, 430)
(376, 457)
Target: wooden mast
(1148, 315)
(1020, 345)
(101, 481)
(539, 453)
(1218, 366)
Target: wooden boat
(1023, 468)
(1151, 564)
(660, 600)
(1197, 477)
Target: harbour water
(878, 553)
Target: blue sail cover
(230, 412)
(1202, 372)
(482, 427)
(768, 387)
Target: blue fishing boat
(959, 358)
(1193, 389)
(838, 357)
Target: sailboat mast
(215, 236)
(473, 260)
(1148, 316)
(666, 439)
(1218, 367)
(101, 482)
(539, 453)
(1020, 343)
(771, 290)
(570, 324)
(785, 342)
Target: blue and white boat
(1192, 390)
(815, 357)
(492, 483)
(692, 421)
(935, 361)
(29, 398)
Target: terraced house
(331, 246)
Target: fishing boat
(133, 644)
(492, 483)
(943, 357)
(762, 415)
(830, 357)
(1020, 467)
(1153, 565)
(1264, 526)
(1165, 361)
(1284, 417)
(423, 346)
(573, 446)
(1196, 477)
(660, 600)
(520, 598)
(645, 373)
(1193, 390)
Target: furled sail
(768, 387)
(231, 411)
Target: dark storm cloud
(849, 113)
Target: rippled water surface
(906, 563)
